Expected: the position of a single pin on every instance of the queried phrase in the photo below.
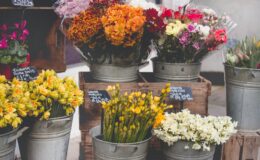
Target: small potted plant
(109, 35)
(242, 74)
(183, 38)
(56, 100)
(188, 136)
(13, 48)
(15, 104)
(127, 123)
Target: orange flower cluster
(85, 25)
(123, 25)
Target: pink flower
(23, 24)
(17, 25)
(22, 38)
(25, 32)
(13, 36)
(3, 44)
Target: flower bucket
(46, 140)
(104, 150)
(114, 73)
(8, 143)
(178, 152)
(176, 71)
(243, 90)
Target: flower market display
(242, 75)
(13, 48)
(203, 133)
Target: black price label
(98, 96)
(23, 3)
(25, 74)
(181, 94)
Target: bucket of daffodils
(127, 123)
(189, 136)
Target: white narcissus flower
(144, 4)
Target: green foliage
(14, 54)
(245, 54)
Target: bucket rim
(113, 143)
(10, 132)
(155, 60)
(57, 118)
(115, 65)
(241, 68)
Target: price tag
(181, 94)
(23, 3)
(25, 74)
(98, 96)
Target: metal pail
(176, 71)
(46, 140)
(243, 96)
(178, 152)
(117, 151)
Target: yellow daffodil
(175, 28)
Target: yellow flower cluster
(129, 117)
(175, 28)
(15, 102)
(123, 25)
(55, 96)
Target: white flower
(209, 11)
(196, 146)
(144, 4)
(204, 30)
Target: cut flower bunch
(129, 117)
(109, 31)
(55, 96)
(201, 131)
(186, 35)
(245, 54)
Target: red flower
(166, 13)
(220, 35)
(194, 15)
(258, 66)
(154, 23)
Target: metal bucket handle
(18, 134)
(113, 148)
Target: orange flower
(123, 25)
(159, 118)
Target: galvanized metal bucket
(176, 71)
(178, 152)
(117, 151)
(114, 73)
(8, 144)
(46, 140)
(243, 96)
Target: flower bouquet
(15, 105)
(56, 100)
(13, 48)
(127, 122)
(183, 38)
(242, 74)
(191, 136)
(109, 34)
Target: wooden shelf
(27, 8)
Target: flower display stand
(242, 146)
(90, 113)
(46, 42)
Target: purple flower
(191, 28)
(184, 39)
(196, 45)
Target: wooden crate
(46, 42)
(90, 113)
(242, 146)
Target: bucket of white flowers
(186, 136)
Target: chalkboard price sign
(23, 3)
(25, 74)
(181, 94)
(98, 96)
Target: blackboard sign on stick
(23, 3)
(181, 94)
(98, 96)
(25, 74)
